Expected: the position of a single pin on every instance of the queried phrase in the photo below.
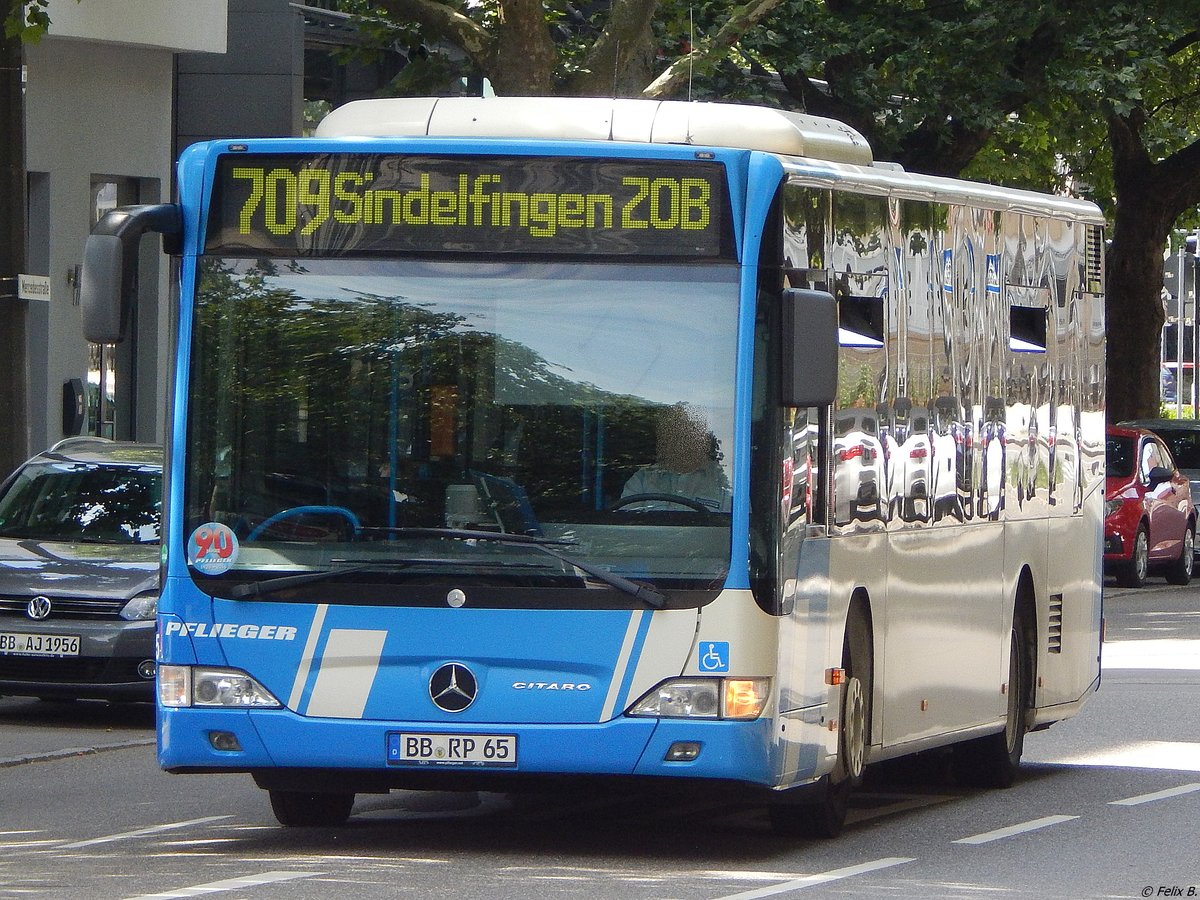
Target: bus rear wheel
(306, 809)
(994, 760)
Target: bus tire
(825, 815)
(304, 809)
(821, 815)
(993, 761)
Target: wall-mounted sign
(33, 287)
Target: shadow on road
(28, 712)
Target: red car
(1149, 519)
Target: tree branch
(818, 101)
(445, 22)
(740, 21)
(1131, 159)
(1182, 43)
(621, 59)
(930, 150)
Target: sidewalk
(33, 730)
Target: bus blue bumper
(189, 738)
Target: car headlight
(143, 606)
(180, 686)
(705, 698)
(1111, 506)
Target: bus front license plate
(475, 750)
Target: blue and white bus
(522, 438)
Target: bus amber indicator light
(745, 697)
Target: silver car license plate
(23, 644)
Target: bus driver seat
(686, 466)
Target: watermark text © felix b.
(1171, 890)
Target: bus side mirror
(809, 348)
(108, 279)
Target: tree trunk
(1134, 312)
(1151, 194)
(524, 56)
(622, 59)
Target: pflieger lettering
(232, 630)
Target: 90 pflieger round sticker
(213, 548)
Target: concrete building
(113, 93)
(99, 132)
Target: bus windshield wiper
(549, 546)
(250, 589)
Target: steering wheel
(677, 499)
(294, 511)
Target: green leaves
(27, 22)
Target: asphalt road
(1107, 807)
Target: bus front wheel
(824, 815)
(307, 809)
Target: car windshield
(334, 402)
(83, 502)
(1119, 456)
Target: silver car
(79, 571)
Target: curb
(70, 752)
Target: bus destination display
(382, 204)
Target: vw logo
(453, 687)
(38, 608)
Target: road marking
(21, 845)
(1157, 795)
(1011, 830)
(154, 829)
(797, 884)
(229, 884)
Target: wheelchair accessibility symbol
(714, 656)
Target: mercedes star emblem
(38, 608)
(453, 687)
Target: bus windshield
(365, 415)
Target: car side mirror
(1159, 475)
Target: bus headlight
(705, 698)
(180, 686)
